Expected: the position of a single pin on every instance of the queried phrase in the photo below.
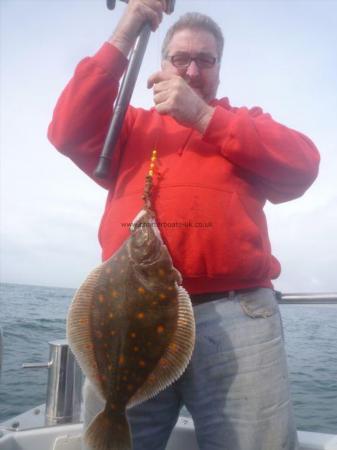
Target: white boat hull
(68, 437)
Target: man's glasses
(183, 60)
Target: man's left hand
(174, 96)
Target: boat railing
(64, 385)
(307, 299)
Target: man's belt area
(198, 299)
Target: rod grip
(122, 102)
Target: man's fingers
(160, 97)
(163, 4)
(158, 77)
(163, 108)
(155, 78)
(158, 8)
(154, 16)
(149, 11)
(162, 86)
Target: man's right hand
(136, 14)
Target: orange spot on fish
(99, 334)
(121, 360)
(161, 272)
(129, 387)
(113, 332)
(136, 349)
(173, 347)
(141, 290)
(162, 296)
(140, 315)
(88, 346)
(111, 315)
(110, 367)
(154, 303)
(114, 293)
(133, 335)
(141, 363)
(160, 329)
(108, 270)
(101, 298)
(151, 378)
(163, 362)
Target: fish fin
(108, 432)
(79, 330)
(176, 357)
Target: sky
(279, 54)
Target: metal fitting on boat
(63, 401)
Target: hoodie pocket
(211, 234)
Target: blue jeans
(236, 386)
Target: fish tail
(109, 432)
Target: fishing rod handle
(122, 102)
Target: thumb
(157, 78)
(154, 78)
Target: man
(217, 166)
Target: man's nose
(193, 69)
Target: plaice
(131, 328)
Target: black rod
(122, 102)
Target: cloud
(306, 245)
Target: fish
(131, 328)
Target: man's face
(194, 42)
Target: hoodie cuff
(112, 60)
(217, 131)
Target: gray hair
(194, 21)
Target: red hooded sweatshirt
(210, 189)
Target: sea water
(33, 315)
